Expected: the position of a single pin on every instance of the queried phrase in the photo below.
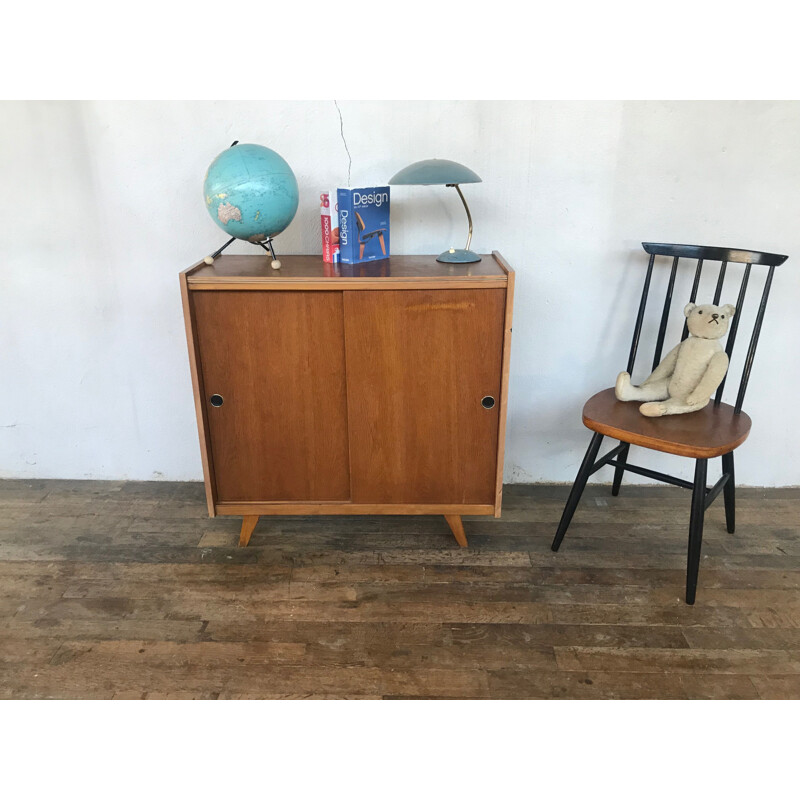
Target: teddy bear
(691, 372)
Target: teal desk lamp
(438, 172)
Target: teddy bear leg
(653, 409)
(672, 406)
(625, 390)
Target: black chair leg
(577, 489)
(729, 493)
(618, 471)
(696, 528)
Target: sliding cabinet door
(273, 376)
(423, 389)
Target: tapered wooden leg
(618, 471)
(577, 489)
(729, 493)
(696, 529)
(457, 526)
(248, 525)
(383, 244)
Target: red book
(330, 228)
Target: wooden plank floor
(128, 590)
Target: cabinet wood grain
(277, 361)
(419, 363)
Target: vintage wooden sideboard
(381, 390)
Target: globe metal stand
(210, 259)
(266, 244)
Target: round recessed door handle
(488, 401)
(216, 400)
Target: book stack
(355, 227)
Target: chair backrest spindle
(751, 350)
(734, 329)
(640, 316)
(720, 280)
(662, 328)
(693, 295)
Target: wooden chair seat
(712, 431)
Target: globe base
(266, 245)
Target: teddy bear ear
(729, 309)
(688, 308)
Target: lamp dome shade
(434, 172)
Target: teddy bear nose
(714, 316)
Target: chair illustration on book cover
(365, 238)
(716, 430)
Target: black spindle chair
(716, 430)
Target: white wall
(101, 207)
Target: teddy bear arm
(711, 379)
(665, 368)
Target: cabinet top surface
(311, 268)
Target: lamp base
(458, 257)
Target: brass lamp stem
(469, 216)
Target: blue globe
(251, 192)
